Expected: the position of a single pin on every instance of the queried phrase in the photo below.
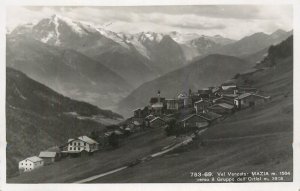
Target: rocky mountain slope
(209, 71)
(37, 118)
(66, 71)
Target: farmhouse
(48, 157)
(211, 116)
(249, 99)
(201, 106)
(222, 99)
(30, 164)
(205, 93)
(82, 143)
(221, 108)
(184, 98)
(137, 113)
(134, 125)
(157, 108)
(194, 121)
(228, 85)
(174, 104)
(157, 122)
(141, 113)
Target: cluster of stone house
(190, 110)
(74, 147)
(196, 109)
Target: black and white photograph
(149, 94)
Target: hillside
(209, 71)
(66, 71)
(255, 139)
(38, 118)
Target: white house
(30, 164)
(82, 143)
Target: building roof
(47, 154)
(149, 116)
(171, 99)
(242, 96)
(201, 100)
(136, 123)
(210, 115)
(157, 105)
(54, 149)
(108, 133)
(137, 109)
(118, 132)
(230, 95)
(156, 118)
(226, 105)
(34, 159)
(87, 140)
(190, 116)
(69, 140)
(182, 95)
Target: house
(48, 157)
(221, 108)
(249, 99)
(201, 106)
(211, 116)
(137, 113)
(140, 113)
(157, 122)
(174, 104)
(157, 104)
(228, 85)
(157, 99)
(57, 150)
(157, 108)
(134, 125)
(30, 164)
(82, 143)
(224, 99)
(186, 100)
(205, 93)
(194, 120)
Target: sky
(232, 21)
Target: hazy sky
(233, 21)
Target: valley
(168, 93)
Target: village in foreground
(187, 113)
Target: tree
(171, 128)
(113, 140)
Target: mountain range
(93, 64)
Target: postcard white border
(295, 185)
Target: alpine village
(240, 121)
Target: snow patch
(113, 36)
(48, 37)
(55, 21)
